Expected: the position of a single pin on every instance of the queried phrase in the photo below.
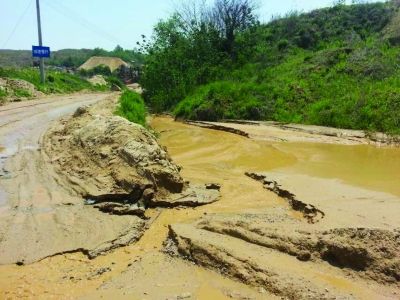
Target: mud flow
(308, 221)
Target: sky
(103, 23)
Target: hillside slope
(336, 66)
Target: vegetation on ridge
(131, 107)
(56, 82)
(69, 58)
(328, 67)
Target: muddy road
(39, 216)
(257, 242)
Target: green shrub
(283, 44)
(224, 100)
(131, 107)
(3, 96)
(113, 80)
(98, 70)
(22, 93)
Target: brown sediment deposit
(218, 127)
(310, 212)
(333, 203)
(274, 131)
(288, 263)
(353, 229)
(315, 224)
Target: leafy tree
(231, 17)
(118, 49)
(195, 46)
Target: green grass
(3, 96)
(224, 100)
(115, 81)
(131, 107)
(21, 93)
(308, 87)
(56, 82)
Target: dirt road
(39, 218)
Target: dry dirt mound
(119, 166)
(17, 88)
(112, 62)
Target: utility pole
(42, 76)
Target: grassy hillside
(337, 66)
(56, 83)
(15, 58)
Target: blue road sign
(39, 51)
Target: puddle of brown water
(2, 149)
(216, 153)
(363, 165)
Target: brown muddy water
(365, 166)
(206, 156)
(361, 165)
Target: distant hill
(70, 58)
(15, 58)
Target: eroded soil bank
(251, 244)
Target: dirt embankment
(278, 132)
(269, 251)
(16, 90)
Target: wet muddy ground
(143, 271)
